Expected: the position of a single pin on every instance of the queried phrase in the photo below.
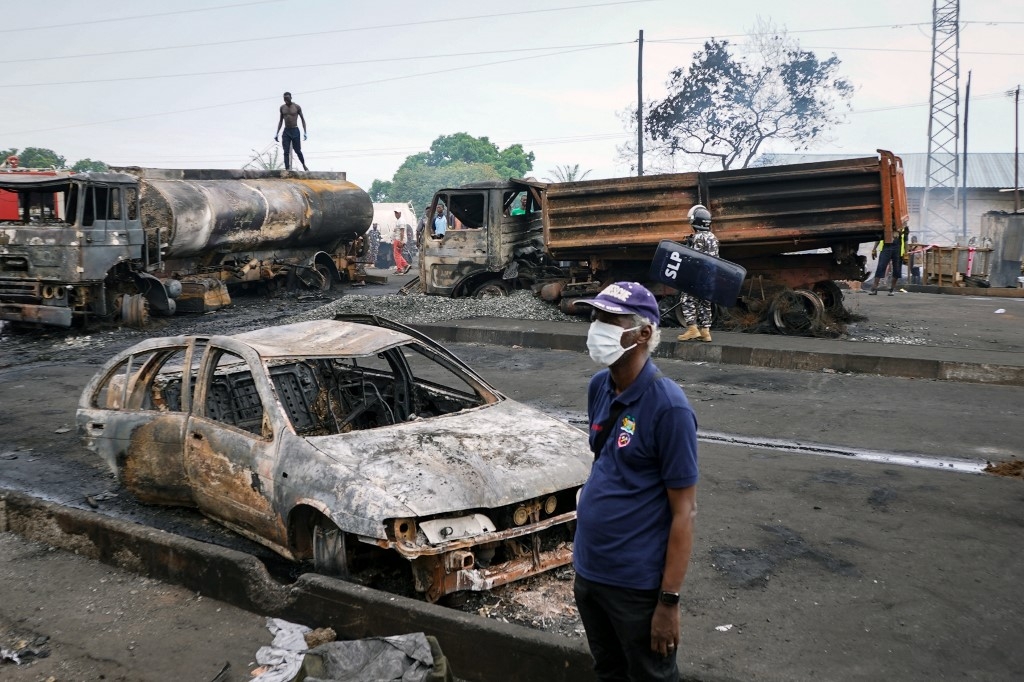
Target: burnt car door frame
(142, 443)
(233, 471)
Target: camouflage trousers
(696, 311)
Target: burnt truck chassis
(796, 229)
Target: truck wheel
(796, 313)
(330, 556)
(328, 279)
(831, 295)
(492, 288)
(134, 310)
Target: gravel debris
(417, 307)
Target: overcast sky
(198, 84)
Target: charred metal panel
(757, 211)
(319, 338)
(481, 458)
(153, 465)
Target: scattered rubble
(1012, 469)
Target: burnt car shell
(321, 440)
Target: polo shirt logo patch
(626, 430)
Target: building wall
(979, 202)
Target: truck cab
(492, 228)
(60, 235)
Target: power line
(683, 41)
(108, 20)
(991, 95)
(407, 150)
(354, 62)
(306, 66)
(290, 36)
(318, 90)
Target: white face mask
(604, 341)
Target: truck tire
(134, 310)
(796, 312)
(328, 278)
(831, 295)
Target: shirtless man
(291, 113)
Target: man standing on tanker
(697, 312)
(634, 519)
(291, 114)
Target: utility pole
(1016, 150)
(963, 182)
(939, 216)
(640, 107)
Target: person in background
(635, 515)
(440, 222)
(291, 114)
(398, 242)
(891, 254)
(521, 208)
(914, 253)
(421, 225)
(373, 245)
(697, 312)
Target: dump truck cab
(491, 226)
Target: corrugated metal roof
(984, 169)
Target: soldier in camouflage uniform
(697, 312)
(372, 245)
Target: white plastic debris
(724, 628)
(282, 659)
(1000, 311)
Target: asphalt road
(826, 566)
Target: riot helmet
(700, 217)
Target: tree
(452, 160)
(726, 107)
(380, 190)
(38, 157)
(567, 173)
(419, 184)
(84, 165)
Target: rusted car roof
(321, 338)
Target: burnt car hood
(481, 458)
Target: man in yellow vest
(891, 252)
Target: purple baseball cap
(626, 298)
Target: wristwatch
(669, 598)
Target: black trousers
(292, 139)
(618, 625)
(890, 253)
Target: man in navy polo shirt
(634, 528)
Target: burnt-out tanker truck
(121, 244)
(796, 229)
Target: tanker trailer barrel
(202, 217)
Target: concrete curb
(743, 349)
(479, 649)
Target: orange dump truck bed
(757, 212)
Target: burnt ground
(855, 544)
